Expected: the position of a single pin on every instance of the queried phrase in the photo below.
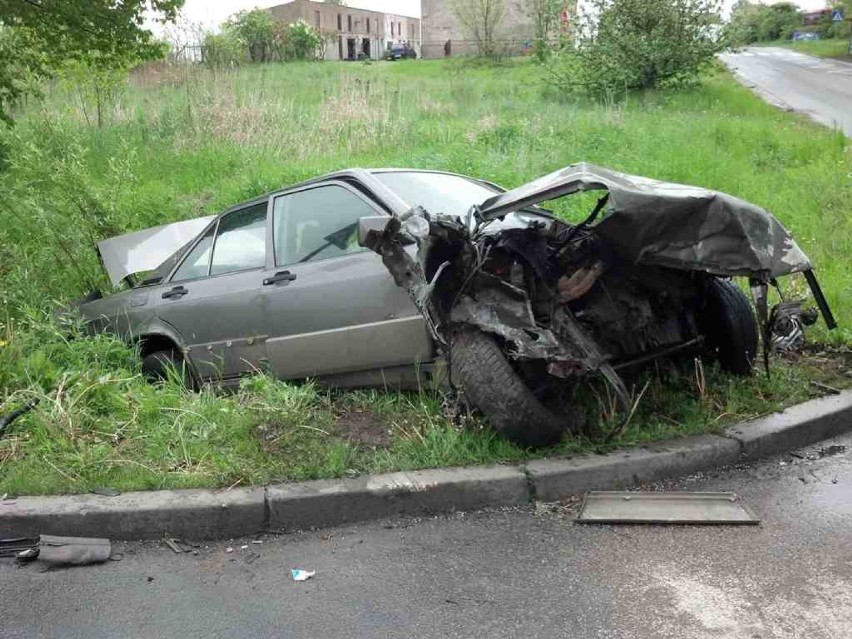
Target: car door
(215, 297)
(332, 306)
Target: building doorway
(350, 49)
(365, 48)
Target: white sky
(211, 13)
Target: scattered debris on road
(664, 508)
(302, 575)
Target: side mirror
(366, 225)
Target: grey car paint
(341, 318)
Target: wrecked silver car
(525, 306)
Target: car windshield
(436, 192)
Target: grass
(180, 144)
(828, 48)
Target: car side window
(240, 241)
(318, 224)
(197, 263)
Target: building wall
(514, 35)
(348, 30)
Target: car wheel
(157, 367)
(729, 326)
(495, 388)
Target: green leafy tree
(255, 29)
(305, 40)
(778, 21)
(639, 44)
(545, 18)
(46, 34)
(222, 50)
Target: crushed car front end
(525, 305)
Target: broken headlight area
(525, 303)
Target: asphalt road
(818, 87)
(526, 572)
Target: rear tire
(493, 386)
(156, 367)
(729, 327)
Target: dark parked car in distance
(400, 51)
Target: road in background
(527, 572)
(818, 87)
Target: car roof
(360, 174)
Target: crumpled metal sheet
(674, 225)
(494, 311)
(73, 551)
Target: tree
(49, 33)
(481, 20)
(305, 40)
(639, 44)
(545, 16)
(778, 21)
(255, 29)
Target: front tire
(493, 386)
(159, 365)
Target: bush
(639, 44)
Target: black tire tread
(155, 366)
(731, 327)
(494, 387)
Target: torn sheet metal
(673, 225)
(665, 508)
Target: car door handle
(177, 291)
(281, 276)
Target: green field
(177, 143)
(830, 48)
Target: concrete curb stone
(321, 503)
(212, 514)
(557, 478)
(794, 427)
(191, 514)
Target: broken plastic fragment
(302, 575)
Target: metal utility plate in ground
(664, 508)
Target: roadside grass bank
(827, 48)
(174, 145)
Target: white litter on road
(302, 575)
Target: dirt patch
(362, 426)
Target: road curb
(212, 514)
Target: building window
(317, 19)
(368, 25)
(339, 22)
(349, 22)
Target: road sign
(837, 15)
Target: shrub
(639, 44)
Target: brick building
(515, 33)
(351, 34)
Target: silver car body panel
(145, 250)
(672, 225)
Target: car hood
(667, 224)
(145, 250)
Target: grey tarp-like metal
(667, 224)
